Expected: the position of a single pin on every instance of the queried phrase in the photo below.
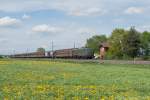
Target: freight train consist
(75, 53)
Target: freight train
(75, 53)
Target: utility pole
(74, 45)
(52, 46)
(27, 50)
(52, 52)
(13, 52)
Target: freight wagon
(76, 53)
(31, 55)
(82, 53)
(65, 53)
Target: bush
(146, 57)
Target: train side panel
(65, 53)
(83, 53)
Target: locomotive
(74, 53)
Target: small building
(103, 48)
(105, 45)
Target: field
(53, 80)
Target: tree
(1, 56)
(116, 43)
(95, 41)
(145, 43)
(131, 43)
(40, 50)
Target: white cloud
(87, 12)
(134, 10)
(72, 7)
(8, 21)
(85, 30)
(82, 8)
(45, 46)
(26, 16)
(44, 28)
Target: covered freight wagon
(64, 53)
(84, 53)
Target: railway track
(89, 61)
(105, 61)
(126, 62)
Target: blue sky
(29, 24)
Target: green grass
(25, 79)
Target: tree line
(124, 44)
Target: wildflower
(148, 98)
(111, 98)
(6, 89)
(5, 98)
(86, 98)
(75, 98)
(19, 93)
(40, 88)
(102, 98)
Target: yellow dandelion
(19, 93)
(112, 98)
(148, 98)
(86, 98)
(6, 89)
(102, 98)
(5, 98)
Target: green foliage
(40, 50)
(124, 44)
(116, 43)
(145, 43)
(1, 57)
(131, 43)
(95, 41)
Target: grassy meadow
(53, 80)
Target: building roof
(105, 45)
